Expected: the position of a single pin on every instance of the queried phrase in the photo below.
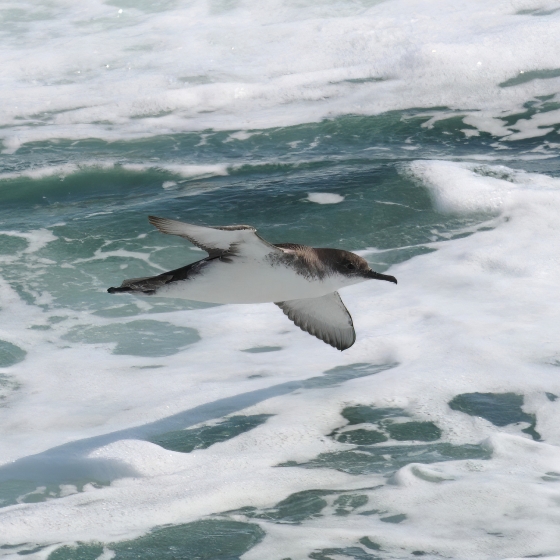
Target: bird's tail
(146, 286)
(120, 290)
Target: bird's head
(352, 266)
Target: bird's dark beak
(376, 276)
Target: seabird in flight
(242, 267)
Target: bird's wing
(324, 317)
(217, 241)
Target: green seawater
(99, 218)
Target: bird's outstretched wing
(218, 241)
(324, 317)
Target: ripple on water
(309, 504)
(262, 349)
(137, 338)
(369, 427)
(10, 354)
(350, 552)
(501, 409)
(28, 492)
(10, 245)
(207, 539)
(390, 423)
(203, 437)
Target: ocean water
(422, 135)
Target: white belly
(248, 281)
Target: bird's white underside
(246, 280)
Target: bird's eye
(350, 266)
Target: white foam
(240, 135)
(100, 254)
(325, 198)
(88, 72)
(185, 171)
(36, 239)
(467, 188)
(181, 170)
(47, 171)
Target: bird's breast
(250, 281)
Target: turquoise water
(160, 428)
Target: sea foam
(100, 71)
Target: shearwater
(242, 267)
